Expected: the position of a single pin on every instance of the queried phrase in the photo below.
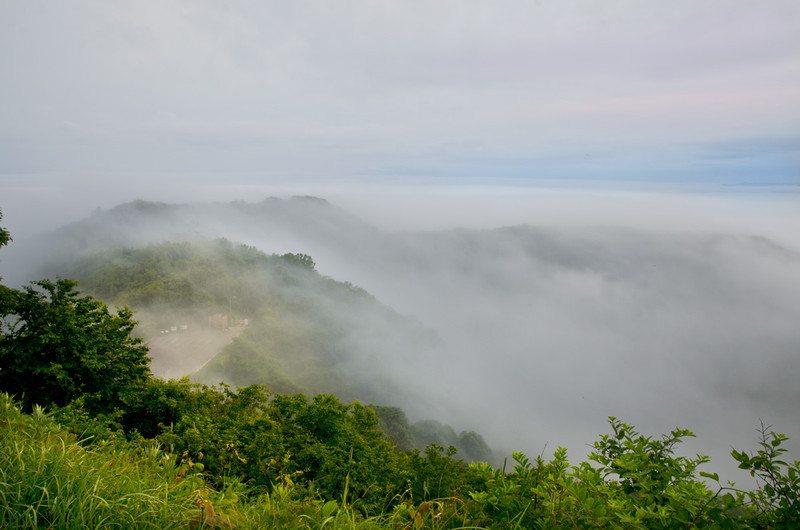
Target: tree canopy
(57, 344)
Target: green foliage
(50, 480)
(472, 447)
(394, 423)
(644, 467)
(778, 498)
(432, 475)
(299, 260)
(640, 483)
(307, 333)
(661, 489)
(329, 448)
(57, 345)
(258, 460)
(246, 360)
(336, 449)
(5, 236)
(180, 275)
(322, 447)
(469, 444)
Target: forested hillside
(296, 331)
(280, 225)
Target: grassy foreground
(51, 479)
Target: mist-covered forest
(296, 331)
(569, 321)
(316, 396)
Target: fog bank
(558, 307)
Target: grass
(50, 480)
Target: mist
(670, 311)
(663, 309)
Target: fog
(664, 310)
(557, 307)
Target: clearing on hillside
(182, 353)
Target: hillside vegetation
(251, 460)
(305, 333)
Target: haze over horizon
(389, 103)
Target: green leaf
(712, 476)
(329, 508)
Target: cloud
(329, 91)
(552, 329)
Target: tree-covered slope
(304, 331)
(295, 330)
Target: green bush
(778, 498)
(639, 482)
(57, 345)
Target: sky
(303, 93)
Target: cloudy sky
(373, 91)
(105, 102)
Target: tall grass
(49, 480)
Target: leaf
(712, 476)
(329, 508)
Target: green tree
(57, 345)
(5, 237)
(394, 423)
